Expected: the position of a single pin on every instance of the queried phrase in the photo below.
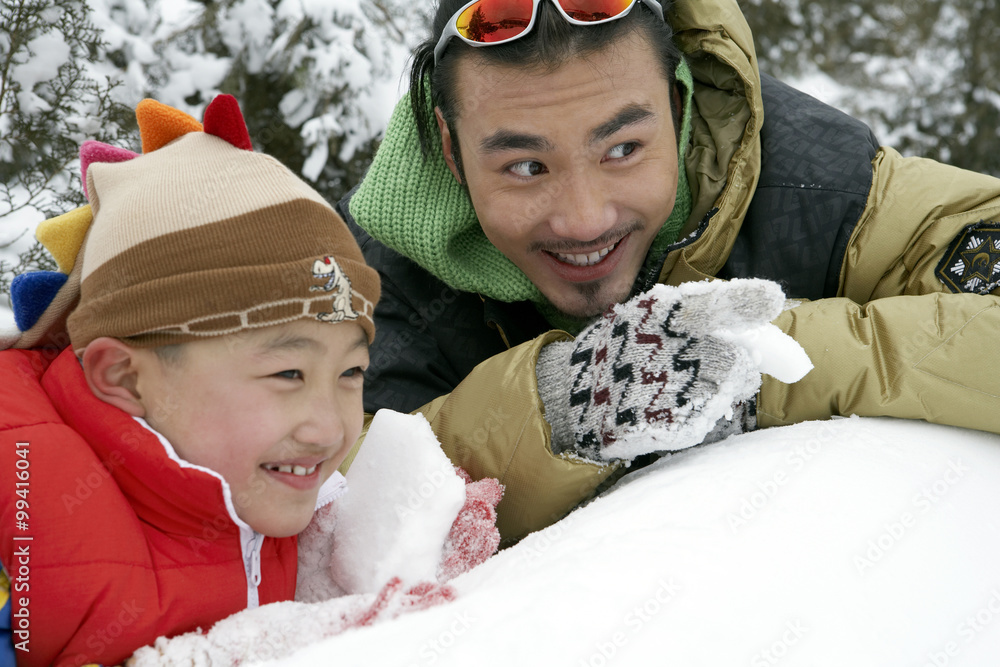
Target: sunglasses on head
(489, 22)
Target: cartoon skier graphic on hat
(337, 281)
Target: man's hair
(552, 42)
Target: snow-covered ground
(849, 542)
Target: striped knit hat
(198, 236)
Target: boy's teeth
(294, 470)
(585, 260)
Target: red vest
(119, 544)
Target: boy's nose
(322, 425)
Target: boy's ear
(446, 144)
(110, 367)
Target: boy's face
(274, 411)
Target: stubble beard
(594, 298)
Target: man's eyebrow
(506, 140)
(630, 115)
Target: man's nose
(582, 208)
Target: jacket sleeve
(897, 343)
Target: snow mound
(849, 542)
(404, 496)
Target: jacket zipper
(252, 542)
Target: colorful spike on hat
(194, 237)
(31, 293)
(63, 236)
(160, 124)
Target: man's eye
(622, 150)
(357, 371)
(527, 169)
(290, 375)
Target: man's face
(274, 411)
(571, 171)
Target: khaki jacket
(893, 341)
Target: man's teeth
(294, 470)
(585, 260)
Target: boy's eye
(290, 375)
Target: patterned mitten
(669, 359)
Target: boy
(156, 471)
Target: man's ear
(447, 145)
(110, 367)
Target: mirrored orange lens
(490, 21)
(594, 10)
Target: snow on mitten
(669, 358)
(277, 630)
(314, 580)
(393, 601)
(474, 536)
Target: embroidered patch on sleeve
(972, 262)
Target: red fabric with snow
(474, 536)
(393, 601)
(127, 545)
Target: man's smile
(587, 266)
(586, 259)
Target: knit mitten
(473, 537)
(669, 359)
(314, 581)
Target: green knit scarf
(416, 207)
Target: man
(553, 188)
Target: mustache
(569, 247)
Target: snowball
(404, 495)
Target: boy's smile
(274, 411)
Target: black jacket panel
(815, 177)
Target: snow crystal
(404, 496)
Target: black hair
(551, 43)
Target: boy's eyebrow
(362, 341)
(293, 342)
(288, 343)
